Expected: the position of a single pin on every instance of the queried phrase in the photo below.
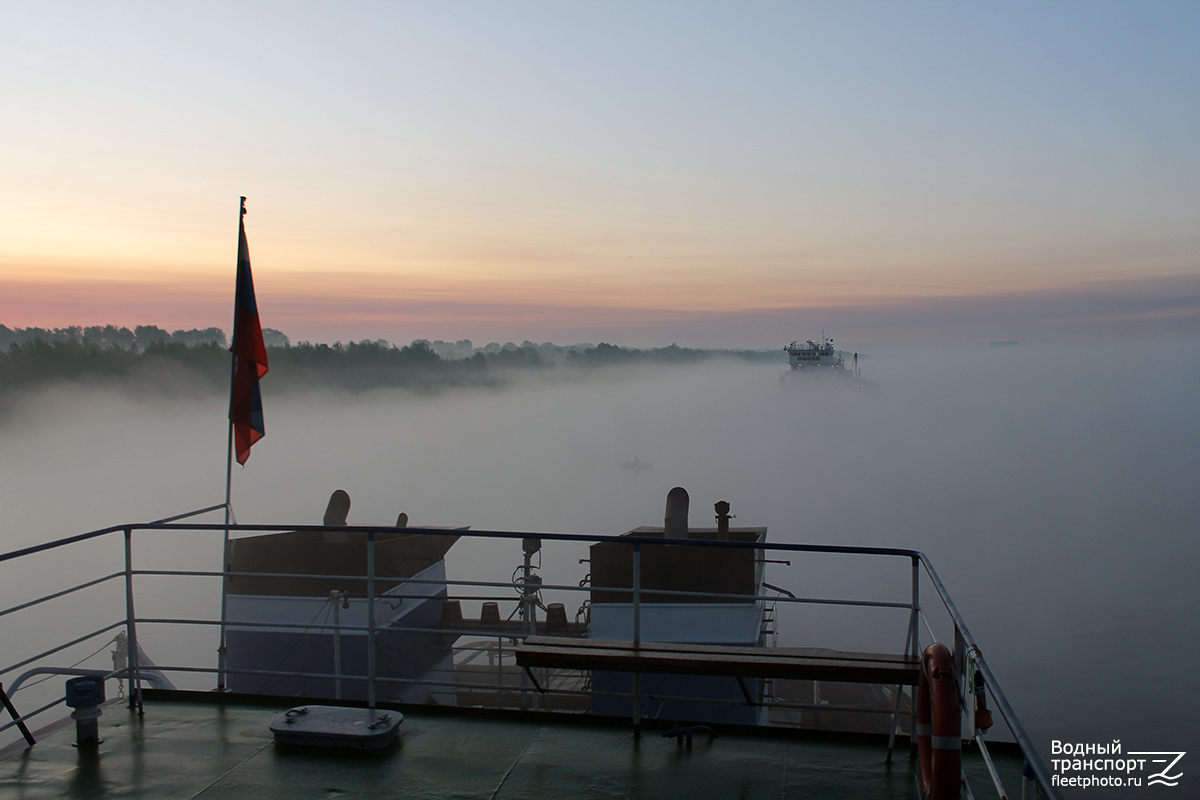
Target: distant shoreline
(200, 359)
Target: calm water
(1053, 489)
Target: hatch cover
(337, 727)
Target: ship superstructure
(821, 359)
(692, 595)
(811, 355)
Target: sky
(716, 174)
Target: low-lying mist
(1055, 489)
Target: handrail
(145, 674)
(730, 596)
(187, 514)
(41, 548)
(63, 646)
(1006, 711)
(498, 534)
(63, 593)
(639, 593)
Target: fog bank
(1053, 488)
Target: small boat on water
(636, 465)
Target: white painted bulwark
(694, 623)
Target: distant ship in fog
(637, 465)
(812, 359)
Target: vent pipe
(675, 521)
(722, 509)
(335, 515)
(86, 696)
(338, 508)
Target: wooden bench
(798, 663)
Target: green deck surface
(190, 749)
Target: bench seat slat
(798, 663)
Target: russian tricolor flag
(249, 356)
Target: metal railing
(968, 656)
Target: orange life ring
(939, 726)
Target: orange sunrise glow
(471, 187)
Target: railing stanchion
(899, 690)
(991, 766)
(1029, 787)
(335, 597)
(371, 619)
(637, 636)
(637, 595)
(135, 683)
(914, 638)
(966, 704)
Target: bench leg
(533, 680)
(745, 691)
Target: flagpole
(222, 650)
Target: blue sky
(714, 173)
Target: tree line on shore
(141, 337)
(33, 356)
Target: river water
(1054, 489)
